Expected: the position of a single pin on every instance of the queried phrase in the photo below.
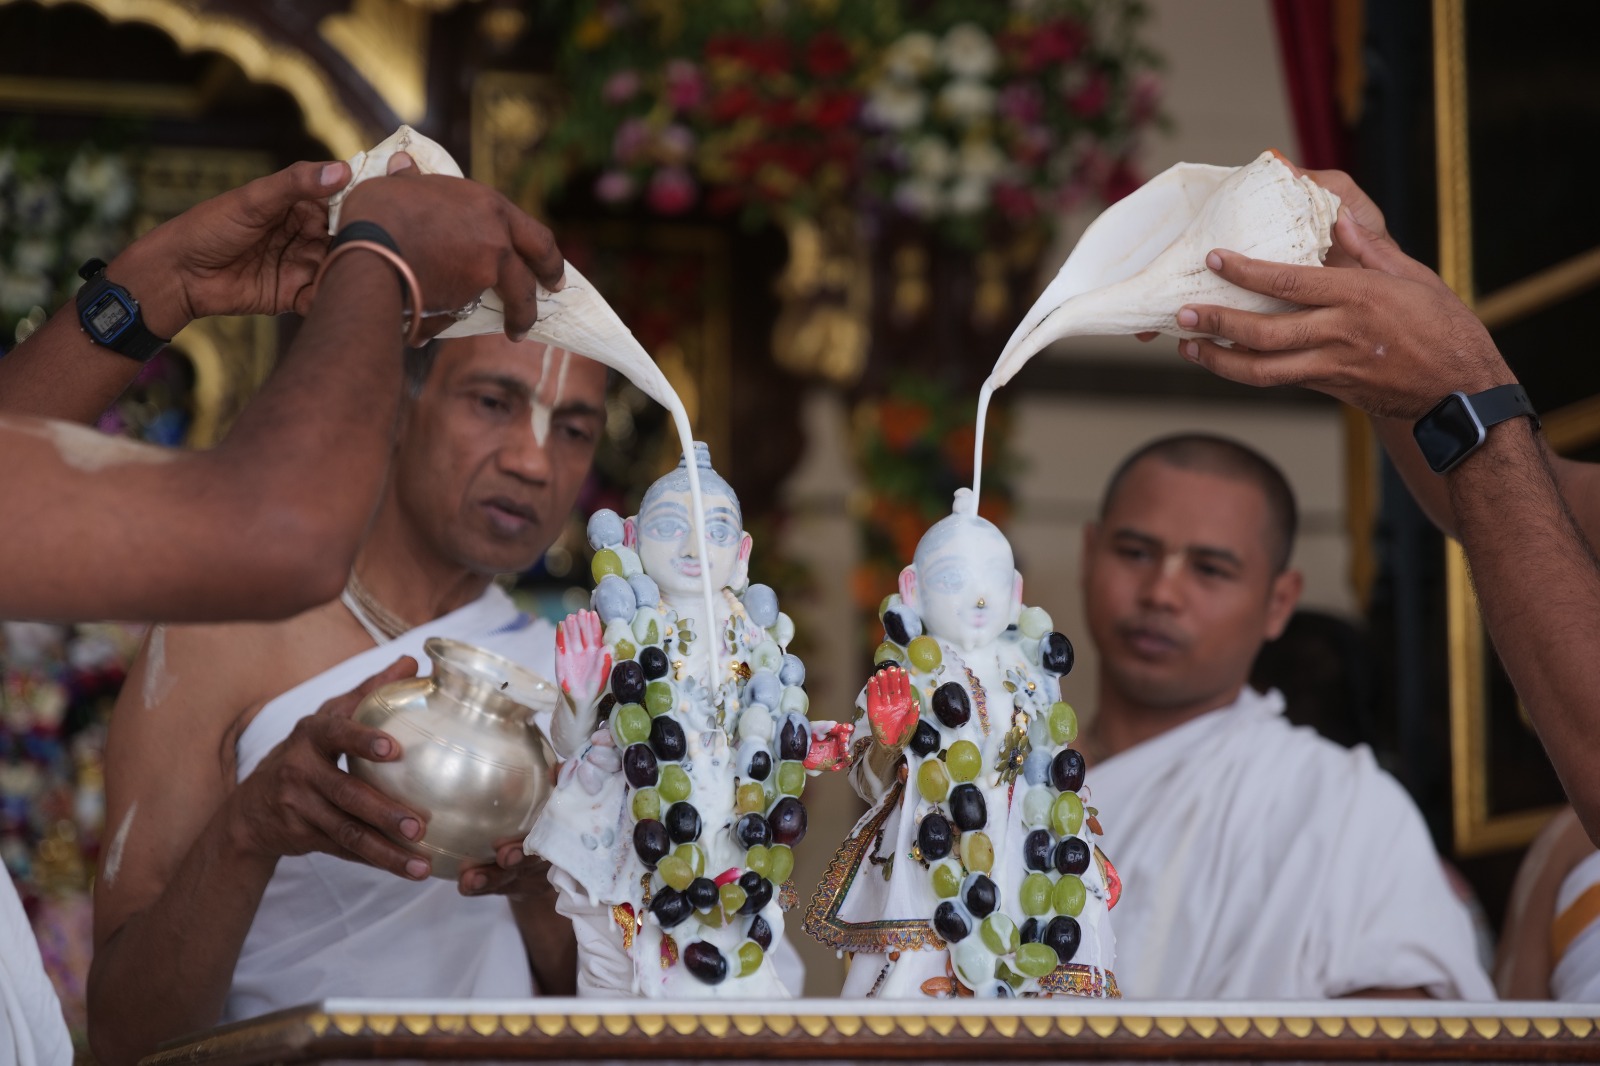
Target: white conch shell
(1144, 257)
(577, 318)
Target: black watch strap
(1503, 403)
(1459, 424)
(110, 315)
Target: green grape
(1034, 622)
(1068, 896)
(1034, 895)
(794, 701)
(606, 562)
(691, 854)
(1036, 960)
(791, 777)
(883, 605)
(766, 656)
(782, 630)
(630, 724)
(674, 783)
(977, 851)
(782, 858)
(675, 872)
(933, 780)
(946, 878)
(624, 649)
(1063, 723)
(732, 897)
(1066, 816)
(1036, 806)
(759, 859)
(964, 760)
(713, 917)
(646, 628)
(751, 798)
(1009, 976)
(924, 654)
(646, 804)
(1000, 934)
(750, 956)
(659, 698)
(888, 651)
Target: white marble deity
(677, 805)
(975, 871)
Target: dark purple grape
(1064, 935)
(895, 628)
(683, 822)
(701, 893)
(667, 739)
(639, 766)
(1055, 653)
(705, 962)
(607, 703)
(752, 829)
(951, 704)
(1066, 770)
(654, 662)
(788, 821)
(925, 741)
(967, 807)
(760, 766)
(760, 932)
(670, 907)
(887, 664)
(1001, 990)
(1036, 850)
(980, 895)
(950, 923)
(1029, 931)
(757, 889)
(627, 681)
(794, 738)
(1072, 856)
(651, 841)
(934, 838)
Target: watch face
(1448, 433)
(108, 317)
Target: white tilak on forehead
(541, 410)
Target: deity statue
(686, 748)
(975, 871)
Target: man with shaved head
(1260, 860)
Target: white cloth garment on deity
(1261, 861)
(329, 927)
(1575, 947)
(32, 1030)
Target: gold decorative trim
(1539, 291)
(387, 42)
(93, 97)
(325, 116)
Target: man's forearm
(1539, 588)
(168, 969)
(550, 942)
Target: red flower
(770, 56)
(902, 422)
(1122, 181)
(779, 114)
(1015, 201)
(827, 55)
(1055, 42)
(685, 88)
(737, 102)
(671, 191)
(832, 109)
(1090, 101)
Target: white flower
(38, 207)
(980, 160)
(8, 163)
(917, 196)
(34, 255)
(101, 180)
(20, 292)
(967, 101)
(896, 107)
(912, 56)
(932, 159)
(969, 196)
(968, 52)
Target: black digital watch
(1459, 424)
(110, 315)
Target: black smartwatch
(1457, 427)
(110, 315)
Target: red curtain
(1319, 43)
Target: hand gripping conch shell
(1144, 257)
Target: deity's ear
(630, 532)
(1016, 595)
(741, 567)
(908, 588)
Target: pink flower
(614, 187)
(674, 145)
(1022, 103)
(632, 140)
(1090, 100)
(1015, 201)
(685, 86)
(620, 87)
(671, 192)
(1146, 97)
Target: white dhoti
(1575, 935)
(32, 1030)
(1260, 861)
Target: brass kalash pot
(472, 763)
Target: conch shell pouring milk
(1144, 257)
(576, 319)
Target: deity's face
(964, 583)
(669, 543)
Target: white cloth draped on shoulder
(329, 927)
(1261, 861)
(32, 1030)
(1575, 935)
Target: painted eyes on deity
(947, 577)
(721, 532)
(665, 527)
(671, 528)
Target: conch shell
(1144, 257)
